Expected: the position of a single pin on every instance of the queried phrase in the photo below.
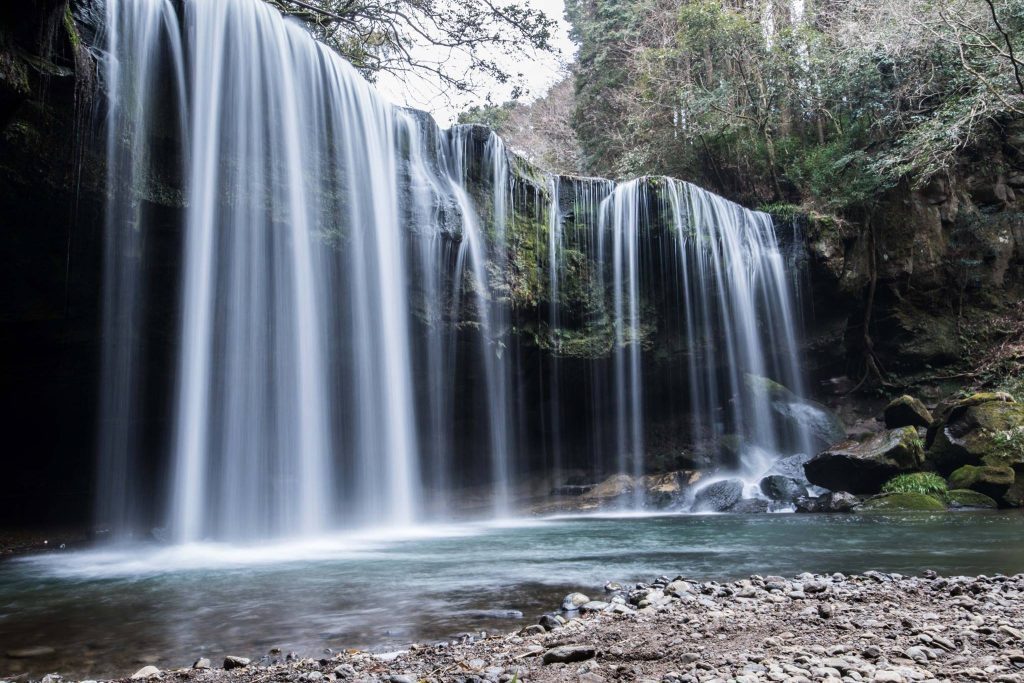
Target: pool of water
(109, 611)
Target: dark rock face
(907, 411)
(783, 489)
(719, 496)
(863, 467)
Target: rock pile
(874, 627)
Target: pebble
(572, 601)
(569, 653)
(146, 672)
(232, 662)
(202, 663)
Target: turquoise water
(108, 612)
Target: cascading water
(148, 35)
(350, 345)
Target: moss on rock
(984, 429)
(965, 498)
(986, 479)
(902, 502)
(907, 411)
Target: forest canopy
(823, 101)
(456, 44)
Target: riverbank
(869, 627)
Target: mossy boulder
(984, 429)
(993, 481)
(797, 415)
(907, 411)
(864, 467)
(1014, 496)
(959, 499)
(902, 502)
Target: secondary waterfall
(380, 322)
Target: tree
(459, 43)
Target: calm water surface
(107, 612)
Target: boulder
(838, 501)
(907, 411)
(797, 415)
(962, 499)
(983, 429)
(902, 502)
(719, 496)
(986, 479)
(1014, 496)
(665, 490)
(615, 486)
(791, 467)
(864, 467)
(784, 489)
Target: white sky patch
(540, 71)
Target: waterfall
(148, 35)
(361, 336)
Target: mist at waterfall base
(348, 351)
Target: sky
(541, 71)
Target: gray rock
(533, 630)
(594, 606)
(549, 622)
(572, 601)
(566, 654)
(782, 488)
(907, 411)
(719, 496)
(402, 678)
(202, 663)
(146, 672)
(232, 662)
(345, 671)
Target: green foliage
(926, 483)
(461, 45)
(828, 109)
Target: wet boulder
(796, 415)
(902, 502)
(865, 466)
(983, 429)
(782, 489)
(992, 481)
(836, 501)
(963, 499)
(719, 496)
(907, 411)
(791, 467)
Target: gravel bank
(871, 627)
